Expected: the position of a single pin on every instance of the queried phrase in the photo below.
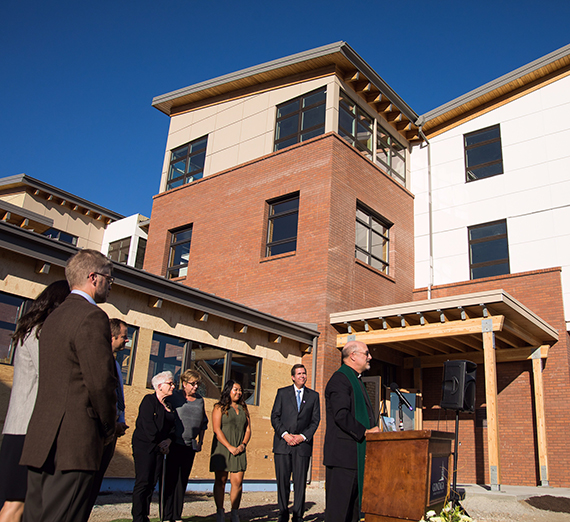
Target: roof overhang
(428, 333)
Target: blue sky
(77, 78)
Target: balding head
(356, 355)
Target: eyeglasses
(367, 354)
(169, 384)
(195, 383)
(110, 279)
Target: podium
(406, 474)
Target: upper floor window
(488, 250)
(11, 308)
(282, 225)
(60, 235)
(372, 238)
(355, 126)
(300, 119)
(119, 250)
(483, 153)
(179, 252)
(187, 163)
(390, 155)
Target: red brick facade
(541, 292)
(228, 212)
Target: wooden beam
(201, 317)
(240, 328)
(492, 410)
(411, 333)
(540, 419)
(352, 77)
(154, 302)
(516, 330)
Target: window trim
(171, 249)
(499, 261)
(383, 222)
(349, 137)
(271, 244)
(469, 168)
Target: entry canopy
(432, 331)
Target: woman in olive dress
(232, 431)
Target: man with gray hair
(75, 411)
(349, 419)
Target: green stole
(361, 414)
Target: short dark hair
(115, 325)
(296, 367)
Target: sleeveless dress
(233, 427)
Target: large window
(179, 252)
(119, 250)
(282, 225)
(390, 155)
(483, 153)
(372, 239)
(489, 250)
(126, 357)
(60, 235)
(11, 307)
(187, 163)
(300, 119)
(167, 353)
(355, 126)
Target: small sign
(438, 479)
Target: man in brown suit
(75, 411)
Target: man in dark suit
(75, 411)
(295, 417)
(349, 418)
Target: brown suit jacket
(76, 405)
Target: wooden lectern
(406, 474)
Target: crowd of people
(67, 410)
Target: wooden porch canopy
(483, 327)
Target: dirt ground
(262, 506)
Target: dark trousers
(342, 504)
(108, 453)
(178, 467)
(148, 471)
(58, 496)
(288, 464)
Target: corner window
(372, 239)
(60, 235)
(187, 163)
(126, 357)
(300, 119)
(488, 250)
(282, 225)
(355, 126)
(167, 353)
(119, 250)
(11, 308)
(179, 252)
(483, 153)
(390, 155)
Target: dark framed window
(119, 250)
(282, 225)
(372, 238)
(180, 241)
(167, 353)
(187, 163)
(126, 357)
(60, 235)
(355, 126)
(483, 153)
(489, 250)
(11, 309)
(300, 119)
(141, 249)
(390, 155)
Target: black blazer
(286, 418)
(154, 424)
(343, 430)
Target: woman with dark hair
(13, 479)
(232, 431)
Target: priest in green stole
(349, 418)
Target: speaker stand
(455, 495)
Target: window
(483, 154)
(141, 249)
(167, 353)
(187, 163)
(300, 119)
(126, 357)
(390, 155)
(11, 308)
(119, 250)
(282, 225)
(355, 126)
(489, 250)
(179, 252)
(64, 237)
(372, 239)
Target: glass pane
(379, 247)
(286, 143)
(382, 154)
(167, 354)
(244, 371)
(484, 135)
(198, 145)
(362, 236)
(316, 97)
(126, 356)
(283, 248)
(287, 127)
(182, 152)
(288, 108)
(177, 170)
(278, 208)
(197, 162)
(490, 271)
(313, 117)
(284, 227)
(496, 249)
(346, 121)
(379, 227)
(311, 134)
(484, 154)
(362, 216)
(182, 235)
(378, 265)
(398, 164)
(173, 184)
(363, 257)
(209, 361)
(485, 172)
(346, 103)
(493, 229)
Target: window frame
(115, 255)
(487, 239)
(469, 175)
(10, 327)
(184, 345)
(133, 335)
(271, 219)
(188, 176)
(371, 232)
(174, 244)
(358, 115)
(60, 235)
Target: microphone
(396, 390)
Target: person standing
(190, 424)
(349, 419)
(13, 478)
(75, 411)
(232, 431)
(295, 417)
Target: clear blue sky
(77, 77)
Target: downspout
(430, 214)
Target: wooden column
(540, 416)
(491, 400)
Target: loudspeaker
(458, 387)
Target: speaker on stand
(458, 393)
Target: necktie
(298, 400)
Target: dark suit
(74, 411)
(342, 435)
(293, 459)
